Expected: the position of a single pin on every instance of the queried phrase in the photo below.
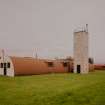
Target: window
(65, 64)
(4, 64)
(50, 64)
(8, 64)
(1, 65)
(90, 60)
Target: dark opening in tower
(78, 68)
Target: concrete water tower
(81, 51)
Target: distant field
(54, 89)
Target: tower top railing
(82, 29)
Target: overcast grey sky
(48, 25)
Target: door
(69, 67)
(5, 69)
(78, 68)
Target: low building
(14, 66)
(99, 66)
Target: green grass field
(54, 89)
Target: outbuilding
(12, 66)
(15, 66)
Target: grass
(54, 89)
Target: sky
(46, 27)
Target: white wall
(6, 59)
(81, 51)
(10, 71)
(1, 60)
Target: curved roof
(30, 66)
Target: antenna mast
(35, 55)
(86, 27)
(3, 54)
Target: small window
(50, 64)
(1, 65)
(8, 64)
(90, 60)
(65, 64)
(4, 64)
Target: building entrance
(78, 68)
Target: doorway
(78, 68)
(5, 69)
